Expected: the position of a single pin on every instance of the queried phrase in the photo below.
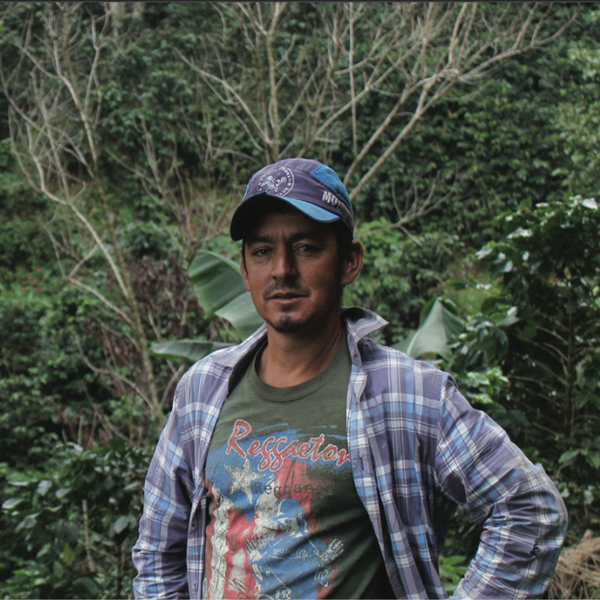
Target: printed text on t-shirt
(274, 450)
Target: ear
(243, 268)
(352, 263)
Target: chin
(287, 324)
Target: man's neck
(292, 359)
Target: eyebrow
(267, 239)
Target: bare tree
(54, 125)
(56, 97)
(263, 81)
(293, 100)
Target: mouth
(286, 296)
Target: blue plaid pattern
(417, 450)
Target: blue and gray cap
(307, 185)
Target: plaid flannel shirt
(417, 449)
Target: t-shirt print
(268, 533)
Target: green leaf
(43, 487)
(451, 571)
(28, 522)
(454, 560)
(582, 399)
(220, 289)
(569, 456)
(89, 587)
(117, 444)
(67, 530)
(22, 479)
(216, 279)
(60, 494)
(527, 333)
(68, 555)
(121, 523)
(11, 503)
(526, 204)
(510, 318)
(58, 569)
(434, 334)
(457, 283)
(593, 459)
(241, 313)
(193, 350)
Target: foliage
(22, 243)
(58, 67)
(451, 571)
(550, 268)
(578, 115)
(439, 325)
(44, 381)
(530, 356)
(179, 95)
(220, 289)
(400, 273)
(127, 134)
(69, 526)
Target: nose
(284, 264)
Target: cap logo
(333, 200)
(279, 182)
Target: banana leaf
(438, 327)
(216, 280)
(221, 292)
(193, 350)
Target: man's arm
(159, 554)
(522, 513)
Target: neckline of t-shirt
(297, 392)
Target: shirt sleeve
(523, 516)
(159, 554)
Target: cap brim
(242, 220)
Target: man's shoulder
(205, 379)
(395, 368)
(382, 356)
(385, 362)
(399, 387)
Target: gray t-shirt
(284, 518)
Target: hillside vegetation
(467, 137)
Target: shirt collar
(362, 322)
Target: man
(310, 461)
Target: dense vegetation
(468, 137)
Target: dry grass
(578, 571)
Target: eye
(261, 252)
(306, 248)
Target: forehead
(286, 224)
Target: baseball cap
(305, 184)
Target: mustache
(285, 286)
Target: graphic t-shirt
(284, 518)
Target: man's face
(293, 272)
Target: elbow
(558, 521)
(552, 512)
